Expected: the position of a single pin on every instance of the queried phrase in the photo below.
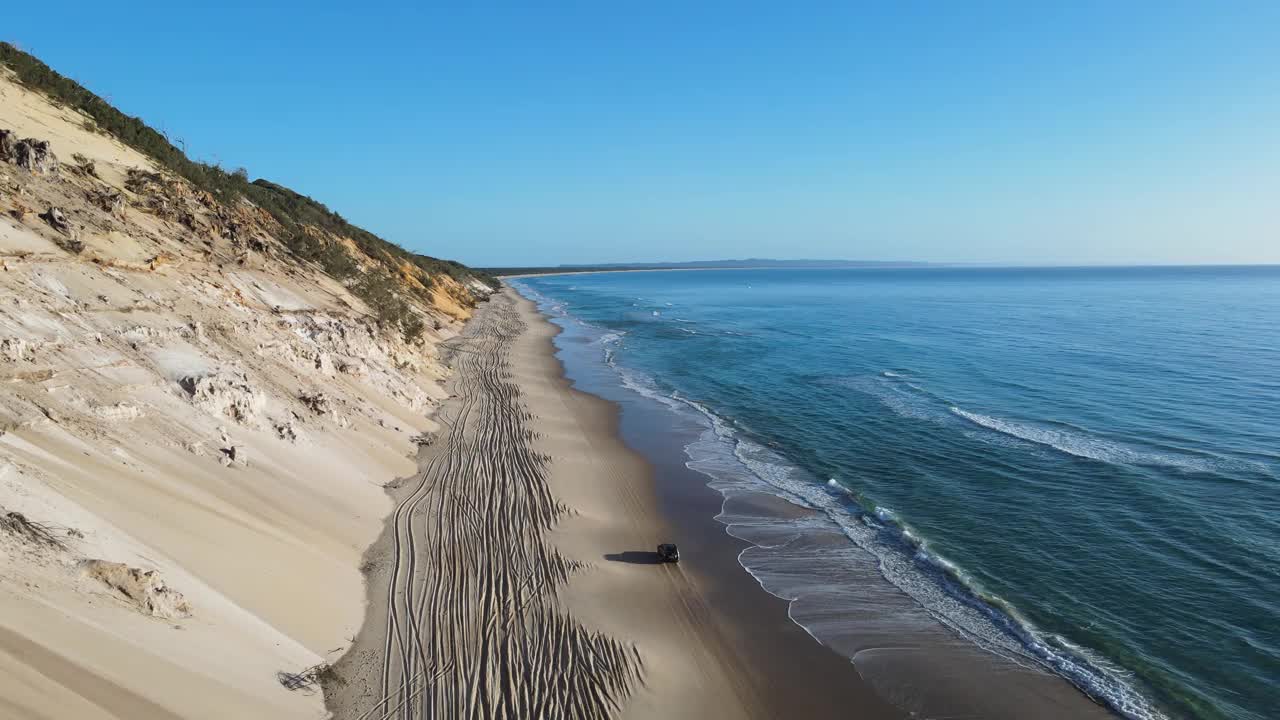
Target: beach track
(465, 601)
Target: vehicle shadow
(635, 557)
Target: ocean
(1075, 469)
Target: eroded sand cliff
(195, 428)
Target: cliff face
(203, 396)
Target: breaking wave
(910, 400)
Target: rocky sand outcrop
(142, 588)
(186, 397)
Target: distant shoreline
(594, 271)
(635, 270)
(497, 272)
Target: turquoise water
(1084, 463)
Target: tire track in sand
(472, 628)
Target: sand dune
(205, 427)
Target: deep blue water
(1092, 455)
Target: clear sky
(543, 132)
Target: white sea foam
(609, 342)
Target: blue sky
(508, 134)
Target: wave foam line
(1081, 444)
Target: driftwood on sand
(18, 525)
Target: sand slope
(191, 405)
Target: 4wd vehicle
(669, 552)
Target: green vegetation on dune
(294, 211)
(290, 208)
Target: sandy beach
(518, 577)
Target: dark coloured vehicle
(669, 552)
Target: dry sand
(463, 614)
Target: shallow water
(1076, 469)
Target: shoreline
(451, 627)
(895, 641)
(717, 610)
